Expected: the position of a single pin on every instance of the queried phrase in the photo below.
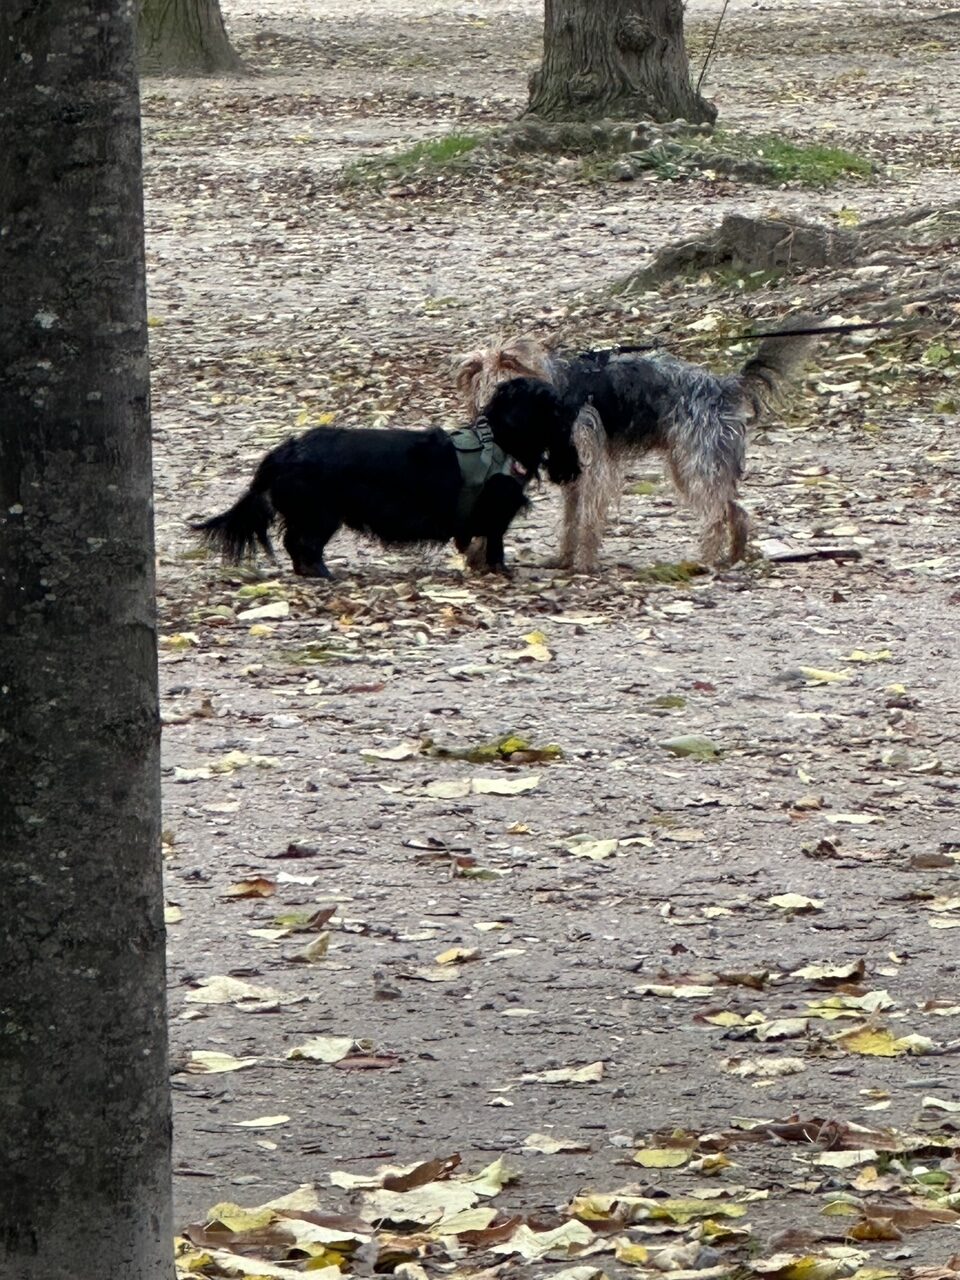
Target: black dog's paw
(313, 571)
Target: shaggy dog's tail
(777, 362)
(235, 533)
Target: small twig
(713, 45)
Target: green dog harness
(480, 458)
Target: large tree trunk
(84, 1092)
(184, 37)
(615, 59)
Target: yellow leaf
(491, 1180)
(172, 915)
(662, 1157)
(815, 675)
(179, 640)
(593, 1208)
(456, 954)
(684, 1210)
(469, 1220)
(795, 902)
(634, 1255)
(875, 1042)
(235, 1218)
(871, 655)
(208, 1062)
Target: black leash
(603, 354)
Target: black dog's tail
(236, 533)
(777, 362)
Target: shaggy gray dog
(628, 405)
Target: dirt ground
(656, 950)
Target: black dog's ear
(530, 422)
(562, 460)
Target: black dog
(404, 486)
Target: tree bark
(185, 37)
(84, 1091)
(615, 59)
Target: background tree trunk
(184, 37)
(84, 1092)
(616, 59)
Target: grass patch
(812, 166)
(682, 571)
(766, 159)
(424, 158)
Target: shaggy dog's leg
(570, 528)
(598, 487)
(739, 524)
(727, 526)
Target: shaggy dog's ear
(468, 369)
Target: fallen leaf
(831, 972)
(548, 1145)
(691, 746)
(255, 887)
(427, 1205)
(505, 786)
(879, 1042)
(662, 1157)
(770, 1068)
(261, 1122)
(403, 751)
(222, 989)
(594, 850)
(276, 609)
(816, 676)
(456, 955)
(795, 902)
(564, 1240)
(322, 1049)
(846, 1159)
(210, 1062)
(568, 1075)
